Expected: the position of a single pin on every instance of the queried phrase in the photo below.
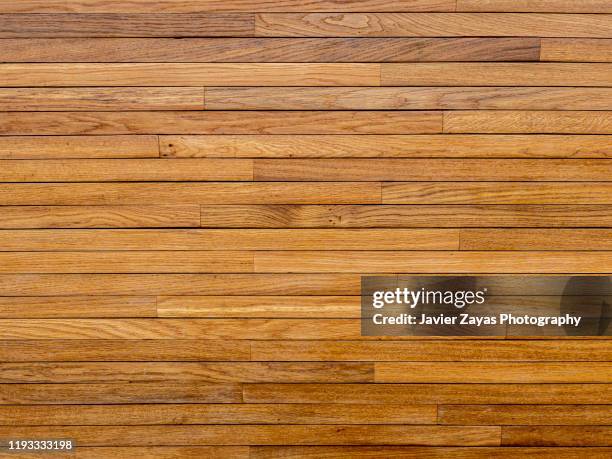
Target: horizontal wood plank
(538, 239)
(26, 25)
(224, 122)
(562, 6)
(430, 25)
(417, 98)
(161, 452)
(576, 50)
(84, 99)
(269, 49)
(99, 216)
(190, 74)
(524, 414)
(386, 146)
(521, 122)
(77, 306)
(557, 436)
(118, 146)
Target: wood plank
(557, 436)
(127, 372)
(228, 239)
(434, 170)
(99, 216)
(138, 194)
(429, 393)
(134, 392)
(126, 262)
(195, 6)
(20, 25)
(452, 351)
(276, 307)
(524, 414)
(495, 74)
(126, 170)
(417, 452)
(280, 434)
(408, 98)
(540, 239)
(576, 50)
(561, 6)
(159, 452)
(524, 122)
(224, 122)
(216, 414)
(191, 74)
(118, 146)
(493, 372)
(427, 216)
(84, 99)
(432, 262)
(498, 193)
(123, 350)
(170, 329)
(179, 284)
(430, 25)
(77, 306)
(383, 146)
(269, 49)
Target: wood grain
(386, 146)
(539, 239)
(190, 74)
(78, 147)
(392, 98)
(563, 6)
(225, 122)
(269, 49)
(557, 436)
(76, 306)
(576, 50)
(126, 25)
(430, 25)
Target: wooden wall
(191, 189)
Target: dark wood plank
(269, 49)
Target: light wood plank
(383, 146)
(138, 194)
(26, 25)
(99, 216)
(195, 6)
(493, 372)
(127, 372)
(460, 393)
(522, 122)
(427, 216)
(84, 99)
(217, 414)
(430, 25)
(228, 239)
(498, 193)
(418, 98)
(223, 122)
(126, 262)
(123, 350)
(280, 434)
(190, 74)
(496, 74)
(453, 351)
(561, 6)
(433, 262)
(269, 49)
(126, 170)
(556, 415)
(537, 239)
(179, 284)
(276, 307)
(134, 392)
(77, 306)
(118, 146)
(557, 436)
(576, 50)
(434, 170)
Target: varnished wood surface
(191, 190)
